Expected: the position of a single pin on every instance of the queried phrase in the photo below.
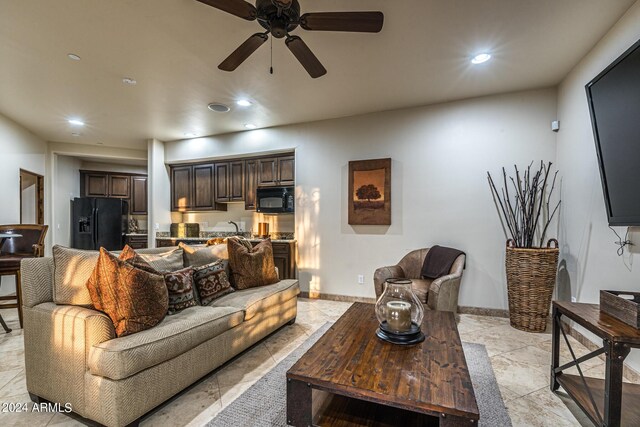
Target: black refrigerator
(99, 222)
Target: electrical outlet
(361, 279)
(573, 299)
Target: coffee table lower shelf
(574, 387)
(339, 411)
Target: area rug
(264, 403)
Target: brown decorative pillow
(130, 256)
(180, 287)
(134, 299)
(211, 281)
(252, 267)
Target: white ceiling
(172, 48)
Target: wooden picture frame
(369, 193)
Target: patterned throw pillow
(211, 281)
(134, 299)
(180, 287)
(252, 267)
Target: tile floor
(520, 361)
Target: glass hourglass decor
(400, 313)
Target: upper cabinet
(275, 171)
(131, 187)
(208, 186)
(119, 186)
(230, 181)
(192, 188)
(138, 203)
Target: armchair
(439, 294)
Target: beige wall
(19, 149)
(67, 187)
(113, 167)
(439, 189)
(159, 189)
(588, 261)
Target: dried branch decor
(528, 206)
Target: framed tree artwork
(370, 192)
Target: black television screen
(614, 101)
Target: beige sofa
(72, 354)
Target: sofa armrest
(36, 281)
(57, 340)
(444, 291)
(382, 274)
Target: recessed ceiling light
(129, 81)
(76, 122)
(100, 143)
(250, 126)
(75, 134)
(73, 56)
(218, 107)
(480, 58)
(243, 103)
(190, 135)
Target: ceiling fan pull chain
(271, 68)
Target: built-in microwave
(275, 200)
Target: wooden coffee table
(351, 377)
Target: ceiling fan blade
(308, 60)
(360, 22)
(239, 8)
(244, 51)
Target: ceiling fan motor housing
(278, 20)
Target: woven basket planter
(531, 277)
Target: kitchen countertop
(136, 234)
(204, 239)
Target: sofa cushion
(130, 256)
(72, 268)
(251, 267)
(254, 300)
(134, 299)
(197, 256)
(211, 281)
(123, 357)
(164, 262)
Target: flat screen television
(614, 102)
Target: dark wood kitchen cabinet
(230, 181)
(274, 171)
(250, 184)
(203, 196)
(94, 184)
(119, 186)
(138, 203)
(192, 188)
(181, 187)
(127, 186)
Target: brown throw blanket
(438, 261)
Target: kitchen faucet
(236, 225)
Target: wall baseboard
(481, 311)
(333, 297)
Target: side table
(609, 402)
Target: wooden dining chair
(12, 252)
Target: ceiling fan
(280, 17)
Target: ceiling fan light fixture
(480, 58)
(218, 107)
